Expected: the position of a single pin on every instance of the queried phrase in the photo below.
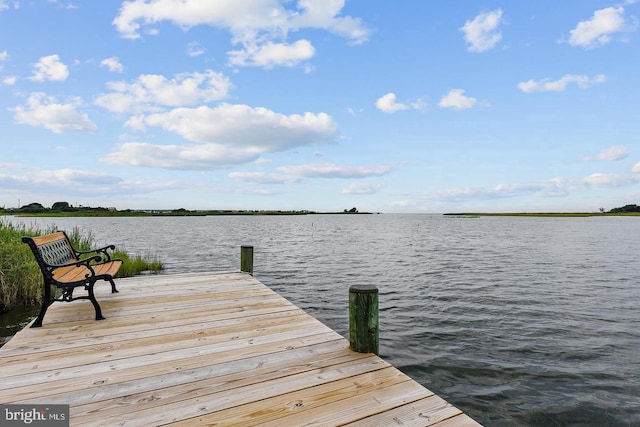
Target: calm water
(517, 321)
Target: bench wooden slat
(48, 238)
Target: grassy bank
(20, 277)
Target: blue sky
(403, 106)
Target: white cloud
(555, 187)
(546, 85)
(67, 176)
(482, 33)
(260, 27)
(264, 178)
(48, 113)
(113, 64)
(244, 126)
(270, 54)
(636, 168)
(330, 170)
(361, 188)
(616, 152)
(608, 180)
(456, 100)
(6, 4)
(226, 135)
(76, 182)
(50, 68)
(4, 56)
(195, 49)
(388, 104)
(151, 91)
(9, 80)
(599, 30)
(61, 180)
(63, 5)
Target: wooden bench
(62, 266)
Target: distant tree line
(625, 209)
(57, 207)
(66, 209)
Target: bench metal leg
(46, 302)
(113, 287)
(93, 300)
(43, 310)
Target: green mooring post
(246, 259)
(363, 318)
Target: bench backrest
(53, 248)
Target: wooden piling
(363, 318)
(246, 259)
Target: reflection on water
(517, 321)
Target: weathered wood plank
(424, 412)
(223, 392)
(289, 361)
(102, 342)
(116, 367)
(63, 358)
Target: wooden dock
(207, 349)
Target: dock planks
(207, 349)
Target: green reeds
(20, 277)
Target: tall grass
(20, 277)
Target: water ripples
(517, 321)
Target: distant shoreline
(543, 214)
(159, 213)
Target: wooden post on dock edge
(363, 318)
(246, 259)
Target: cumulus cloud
(616, 152)
(270, 54)
(599, 30)
(113, 64)
(330, 170)
(482, 33)
(636, 168)
(260, 28)
(4, 56)
(9, 80)
(457, 100)
(224, 136)
(50, 68)
(149, 92)
(547, 85)
(44, 111)
(389, 104)
(361, 188)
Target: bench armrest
(98, 251)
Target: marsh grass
(20, 277)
